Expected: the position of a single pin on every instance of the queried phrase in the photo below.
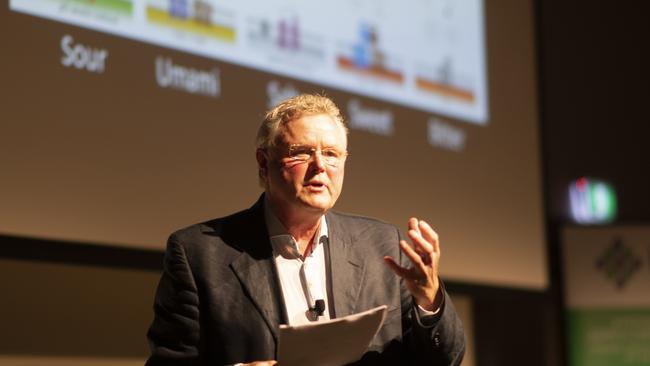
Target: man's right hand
(259, 363)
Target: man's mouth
(315, 185)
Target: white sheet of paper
(332, 342)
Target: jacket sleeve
(174, 335)
(437, 340)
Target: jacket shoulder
(232, 233)
(357, 225)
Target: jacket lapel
(255, 267)
(259, 280)
(347, 267)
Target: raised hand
(421, 278)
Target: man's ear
(262, 162)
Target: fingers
(430, 235)
(396, 268)
(421, 244)
(417, 273)
(408, 274)
(412, 254)
(423, 236)
(413, 224)
(423, 253)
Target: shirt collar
(284, 243)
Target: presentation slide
(123, 120)
(436, 64)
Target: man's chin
(317, 204)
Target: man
(228, 283)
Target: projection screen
(123, 120)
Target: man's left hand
(421, 278)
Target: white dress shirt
(303, 280)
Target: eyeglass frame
(291, 155)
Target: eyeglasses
(304, 153)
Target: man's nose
(317, 161)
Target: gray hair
(291, 109)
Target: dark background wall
(595, 94)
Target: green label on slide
(123, 6)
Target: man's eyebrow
(312, 146)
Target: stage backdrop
(123, 120)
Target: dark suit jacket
(219, 301)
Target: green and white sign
(607, 291)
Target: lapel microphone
(319, 307)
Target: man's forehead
(318, 126)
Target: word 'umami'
(188, 79)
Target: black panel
(79, 253)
